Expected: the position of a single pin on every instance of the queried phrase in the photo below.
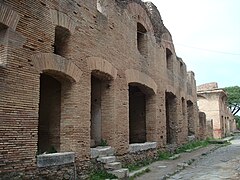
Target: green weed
(164, 155)
(100, 175)
(138, 165)
(103, 143)
(191, 146)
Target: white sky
(206, 35)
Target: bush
(164, 155)
(103, 143)
(191, 146)
(100, 175)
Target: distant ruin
(213, 101)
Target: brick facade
(68, 70)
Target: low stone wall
(77, 170)
(55, 159)
(138, 156)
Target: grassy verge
(101, 175)
(165, 155)
(191, 146)
(138, 165)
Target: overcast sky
(206, 35)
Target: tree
(237, 118)
(233, 94)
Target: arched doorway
(171, 117)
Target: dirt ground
(209, 163)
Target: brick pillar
(172, 124)
(108, 112)
(151, 118)
(121, 102)
(183, 121)
(75, 117)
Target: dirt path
(209, 163)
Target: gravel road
(209, 163)
(223, 163)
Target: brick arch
(8, 17)
(141, 15)
(60, 19)
(168, 42)
(134, 76)
(49, 61)
(102, 65)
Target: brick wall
(101, 42)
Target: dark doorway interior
(49, 114)
(96, 113)
(137, 115)
(190, 114)
(171, 114)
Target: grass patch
(164, 155)
(100, 175)
(103, 143)
(138, 165)
(191, 146)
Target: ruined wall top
(153, 14)
(211, 90)
(207, 86)
(190, 76)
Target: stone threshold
(137, 147)
(55, 159)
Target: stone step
(120, 173)
(113, 166)
(102, 151)
(107, 159)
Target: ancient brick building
(213, 101)
(75, 74)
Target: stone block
(108, 159)
(121, 173)
(102, 151)
(136, 147)
(55, 159)
(113, 166)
